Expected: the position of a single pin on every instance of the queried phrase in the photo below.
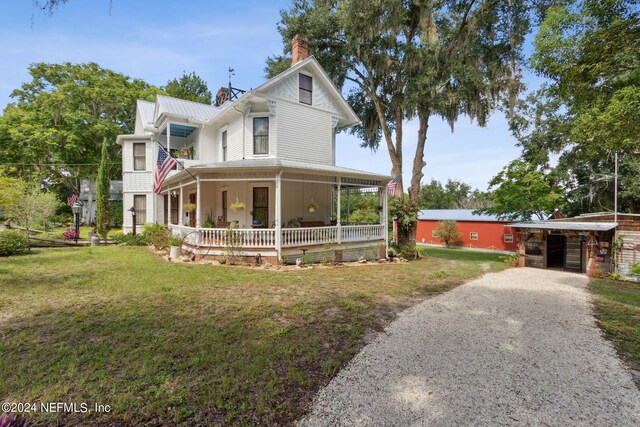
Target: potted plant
(237, 206)
(312, 206)
(175, 248)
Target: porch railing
(239, 237)
(266, 237)
(309, 236)
(361, 233)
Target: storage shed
(584, 244)
(478, 231)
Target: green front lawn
(617, 307)
(84, 231)
(168, 344)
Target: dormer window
(305, 84)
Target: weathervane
(232, 72)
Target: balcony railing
(290, 237)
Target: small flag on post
(165, 164)
(71, 198)
(393, 185)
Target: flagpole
(177, 161)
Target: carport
(575, 246)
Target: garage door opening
(555, 251)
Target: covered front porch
(279, 210)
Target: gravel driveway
(519, 347)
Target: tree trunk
(87, 217)
(418, 159)
(407, 234)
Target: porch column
(169, 138)
(180, 203)
(385, 221)
(168, 206)
(279, 215)
(198, 208)
(338, 225)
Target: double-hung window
(260, 135)
(139, 157)
(305, 85)
(224, 146)
(140, 208)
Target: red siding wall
(490, 234)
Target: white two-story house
(262, 165)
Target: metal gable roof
(146, 110)
(565, 225)
(180, 107)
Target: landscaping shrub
(131, 240)
(635, 270)
(69, 234)
(13, 242)
(158, 235)
(448, 233)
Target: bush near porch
(169, 344)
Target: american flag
(165, 164)
(71, 198)
(393, 184)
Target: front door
(192, 215)
(261, 206)
(555, 251)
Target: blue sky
(157, 41)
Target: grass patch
(617, 306)
(461, 254)
(84, 231)
(177, 344)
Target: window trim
(504, 238)
(255, 153)
(301, 89)
(144, 156)
(471, 235)
(434, 233)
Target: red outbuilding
(478, 231)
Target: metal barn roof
(455, 215)
(565, 225)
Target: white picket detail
(238, 237)
(308, 236)
(362, 233)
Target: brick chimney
(299, 49)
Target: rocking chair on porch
(220, 223)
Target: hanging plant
(237, 206)
(312, 206)
(189, 207)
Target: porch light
(133, 216)
(77, 209)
